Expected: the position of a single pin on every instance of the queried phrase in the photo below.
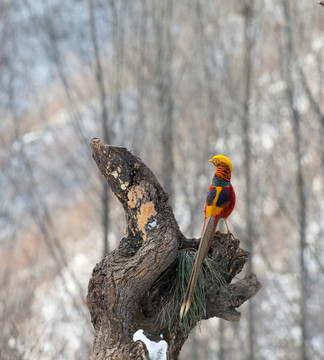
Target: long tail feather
(204, 246)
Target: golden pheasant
(220, 202)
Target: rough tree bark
(125, 290)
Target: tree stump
(125, 293)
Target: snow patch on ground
(156, 350)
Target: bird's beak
(211, 160)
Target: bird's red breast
(220, 202)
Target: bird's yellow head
(217, 159)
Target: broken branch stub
(138, 190)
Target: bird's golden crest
(221, 158)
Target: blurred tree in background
(175, 82)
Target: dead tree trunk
(126, 291)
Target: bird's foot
(229, 235)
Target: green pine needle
(198, 305)
(171, 306)
(215, 275)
